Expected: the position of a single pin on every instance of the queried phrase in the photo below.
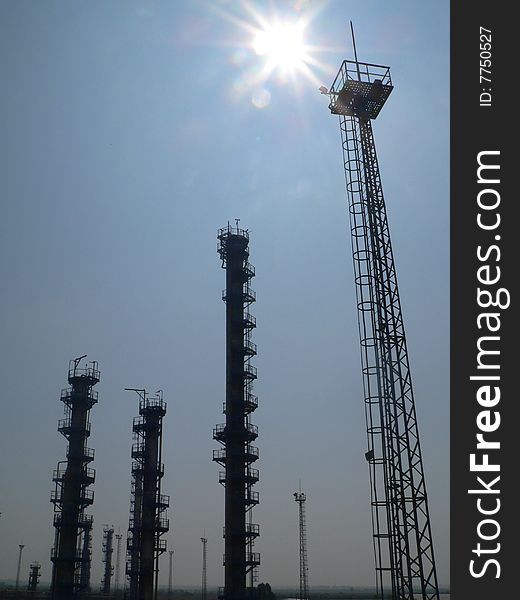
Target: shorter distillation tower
(34, 576)
(119, 537)
(301, 498)
(148, 520)
(108, 550)
(237, 433)
(71, 556)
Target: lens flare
(282, 45)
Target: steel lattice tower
(34, 576)
(403, 548)
(147, 513)
(237, 433)
(204, 587)
(170, 574)
(108, 550)
(301, 498)
(71, 552)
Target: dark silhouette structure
(108, 551)
(301, 498)
(147, 514)
(405, 566)
(71, 552)
(20, 550)
(204, 587)
(119, 536)
(237, 433)
(34, 576)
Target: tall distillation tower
(71, 552)
(405, 565)
(148, 520)
(237, 433)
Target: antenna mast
(403, 546)
(301, 498)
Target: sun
(282, 46)
(270, 47)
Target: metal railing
(249, 530)
(66, 395)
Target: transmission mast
(204, 568)
(170, 574)
(405, 566)
(301, 498)
(237, 433)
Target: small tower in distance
(108, 550)
(119, 537)
(204, 586)
(301, 498)
(34, 576)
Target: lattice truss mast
(404, 557)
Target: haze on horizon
(131, 131)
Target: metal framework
(20, 550)
(71, 552)
(405, 566)
(237, 433)
(204, 586)
(119, 537)
(148, 520)
(34, 576)
(301, 498)
(170, 574)
(108, 551)
(86, 558)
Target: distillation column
(108, 550)
(403, 548)
(237, 433)
(71, 552)
(147, 521)
(34, 576)
(119, 537)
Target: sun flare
(282, 45)
(271, 49)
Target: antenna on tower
(355, 50)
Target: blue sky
(129, 135)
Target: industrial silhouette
(237, 433)
(403, 547)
